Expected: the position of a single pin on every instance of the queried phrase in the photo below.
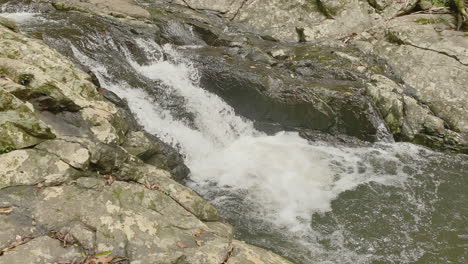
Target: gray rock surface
(116, 8)
(19, 125)
(30, 167)
(41, 250)
(431, 60)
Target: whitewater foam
(288, 176)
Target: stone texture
(137, 171)
(72, 153)
(154, 152)
(300, 20)
(41, 250)
(19, 125)
(390, 8)
(29, 167)
(431, 60)
(128, 220)
(116, 8)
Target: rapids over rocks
(285, 186)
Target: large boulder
(140, 224)
(298, 86)
(56, 88)
(301, 20)
(431, 59)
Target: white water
(287, 177)
(20, 15)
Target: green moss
(440, 3)
(425, 21)
(6, 149)
(117, 193)
(140, 195)
(152, 206)
(25, 79)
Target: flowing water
(312, 202)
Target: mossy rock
(19, 125)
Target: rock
(43, 77)
(41, 250)
(137, 211)
(302, 20)
(30, 167)
(145, 174)
(53, 84)
(118, 8)
(387, 95)
(47, 79)
(153, 151)
(425, 5)
(390, 8)
(19, 125)
(106, 158)
(226, 7)
(128, 220)
(316, 88)
(138, 144)
(72, 153)
(248, 254)
(8, 23)
(434, 71)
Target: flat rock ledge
(72, 185)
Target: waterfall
(285, 176)
(330, 203)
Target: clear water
(311, 202)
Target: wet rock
(138, 144)
(153, 151)
(315, 88)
